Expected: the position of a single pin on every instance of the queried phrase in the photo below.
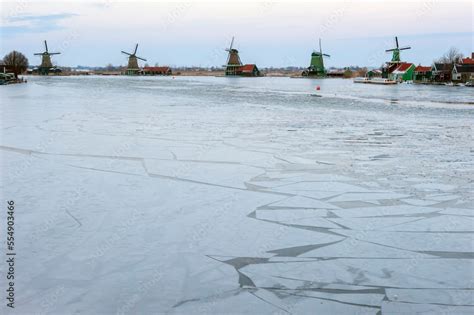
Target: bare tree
(452, 57)
(348, 73)
(109, 67)
(361, 72)
(17, 61)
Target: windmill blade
(405, 48)
(46, 45)
(390, 50)
(396, 41)
(136, 47)
(56, 53)
(126, 53)
(320, 47)
(140, 58)
(326, 55)
(39, 54)
(231, 43)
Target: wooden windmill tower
(316, 67)
(396, 51)
(46, 64)
(133, 68)
(234, 63)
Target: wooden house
(422, 74)
(404, 72)
(157, 71)
(441, 72)
(249, 70)
(468, 60)
(463, 73)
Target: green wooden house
(404, 72)
(422, 74)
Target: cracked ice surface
(212, 195)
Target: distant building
(463, 73)
(404, 72)
(376, 73)
(468, 60)
(336, 73)
(157, 71)
(441, 72)
(250, 70)
(422, 74)
(6, 69)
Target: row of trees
(16, 61)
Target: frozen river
(217, 195)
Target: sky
(268, 33)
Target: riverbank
(7, 81)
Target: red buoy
(318, 88)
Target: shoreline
(218, 75)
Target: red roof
(422, 69)
(157, 69)
(247, 68)
(468, 61)
(404, 66)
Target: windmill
(132, 67)
(316, 66)
(396, 51)
(234, 63)
(46, 64)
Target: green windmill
(316, 67)
(396, 51)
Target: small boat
(454, 84)
(382, 81)
(374, 80)
(7, 78)
(361, 80)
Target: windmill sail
(396, 51)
